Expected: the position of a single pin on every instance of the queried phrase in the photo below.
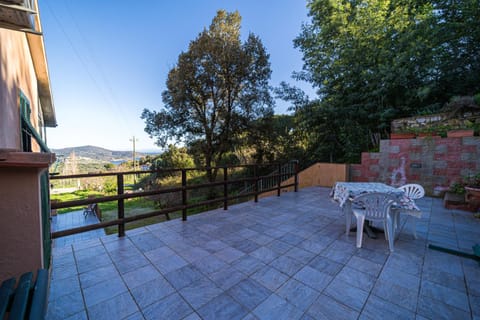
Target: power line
(98, 66)
(85, 64)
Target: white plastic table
(345, 192)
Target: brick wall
(431, 161)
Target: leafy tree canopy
(214, 93)
(376, 60)
(174, 157)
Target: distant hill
(97, 153)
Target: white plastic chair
(413, 192)
(374, 207)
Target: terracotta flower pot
(472, 197)
(402, 136)
(460, 133)
(427, 134)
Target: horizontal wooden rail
(75, 203)
(184, 188)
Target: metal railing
(272, 180)
(183, 189)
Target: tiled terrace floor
(281, 258)
(71, 220)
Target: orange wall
(20, 228)
(16, 73)
(323, 174)
(319, 174)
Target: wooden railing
(121, 196)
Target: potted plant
(469, 189)
(472, 191)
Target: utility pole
(134, 156)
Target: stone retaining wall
(460, 120)
(431, 162)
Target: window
(28, 131)
(25, 125)
(41, 126)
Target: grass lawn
(77, 195)
(133, 207)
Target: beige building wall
(16, 73)
(319, 174)
(323, 175)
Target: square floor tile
(270, 277)
(184, 276)
(227, 277)
(393, 293)
(152, 291)
(249, 293)
(326, 307)
(222, 307)
(264, 254)
(287, 265)
(140, 276)
(326, 265)
(357, 278)
(365, 265)
(209, 264)
(117, 307)
(200, 292)
(313, 278)
(172, 307)
(101, 274)
(103, 291)
(350, 296)
(301, 255)
(446, 295)
(298, 294)
(377, 308)
(65, 306)
(248, 264)
(229, 254)
(277, 308)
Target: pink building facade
(26, 108)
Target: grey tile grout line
(79, 282)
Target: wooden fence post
(121, 206)
(255, 174)
(184, 194)
(296, 174)
(225, 188)
(279, 177)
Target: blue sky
(108, 60)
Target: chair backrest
(413, 191)
(376, 204)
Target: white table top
(343, 191)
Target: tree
(376, 60)
(215, 91)
(456, 39)
(173, 157)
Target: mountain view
(97, 154)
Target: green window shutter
(28, 131)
